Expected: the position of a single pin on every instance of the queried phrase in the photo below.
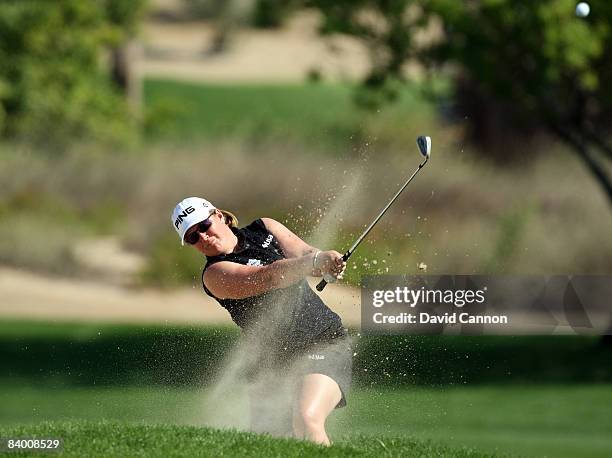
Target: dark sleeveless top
(293, 318)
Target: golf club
(424, 144)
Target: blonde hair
(230, 219)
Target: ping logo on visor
(183, 215)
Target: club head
(424, 144)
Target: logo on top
(316, 356)
(268, 241)
(183, 215)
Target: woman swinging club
(258, 274)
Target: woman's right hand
(330, 264)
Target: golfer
(258, 273)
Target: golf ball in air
(583, 9)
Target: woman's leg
(318, 395)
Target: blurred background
(305, 111)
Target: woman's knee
(311, 419)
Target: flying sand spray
(424, 144)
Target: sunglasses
(201, 228)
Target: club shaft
(380, 215)
(322, 283)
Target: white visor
(189, 212)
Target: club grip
(322, 284)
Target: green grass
(545, 420)
(317, 115)
(564, 421)
(110, 439)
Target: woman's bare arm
(229, 280)
(291, 244)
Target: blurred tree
(525, 67)
(519, 68)
(272, 13)
(53, 86)
(226, 15)
(257, 13)
(387, 28)
(206, 9)
(125, 16)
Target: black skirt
(330, 354)
(333, 359)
